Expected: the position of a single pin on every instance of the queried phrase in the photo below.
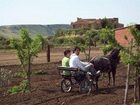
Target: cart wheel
(66, 85)
(85, 86)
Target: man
(65, 61)
(85, 66)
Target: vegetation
(4, 43)
(85, 38)
(22, 87)
(137, 103)
(40, 72)
(107, 24)
(131, 57)
(107, 38)
(44, 30)
(27, 48)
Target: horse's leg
(113, 75)
(109, 77)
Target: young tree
(133, 52)
(136, 34)
(89, 37)
(108, 38)
(27, 48)
(127, 58)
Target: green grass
(137, 103)
(40, 72)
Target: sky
(13, 12)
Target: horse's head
(115, 54)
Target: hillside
(45, 30)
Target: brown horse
(107, 64)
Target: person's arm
(79, 64)
(84, 63)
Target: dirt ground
(46, 89)
(8, 57)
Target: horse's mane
(114, 55)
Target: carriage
(84, 80)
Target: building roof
(121, 33)
(137, 26)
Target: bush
(17, 89)
(40, 72)
(4, 43)
(21, 74)
(137, 103)
(106, 49)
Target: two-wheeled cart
(76, 77)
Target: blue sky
(65, 11)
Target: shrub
(40, 72)
(20, 88)
(21, 74)
(106, 48)
(137, 103)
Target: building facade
(96, 23)
(121, 33)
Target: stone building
(96, 23)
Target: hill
(45, 30)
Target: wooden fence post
(128, 72)
(48, 53)
(127, 85)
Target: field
(46, 88)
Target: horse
(107, 64)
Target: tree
(133, 51)
(107, 35)
(4, 42)
(83, 41)
(79, 41)
(107, 38)
(60, 32)
(89, 37)
(136, 34)
(27, 48)
(107, 24)
(126, 58)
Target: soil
(8, 57)
(46, 89)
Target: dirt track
(46, 90)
